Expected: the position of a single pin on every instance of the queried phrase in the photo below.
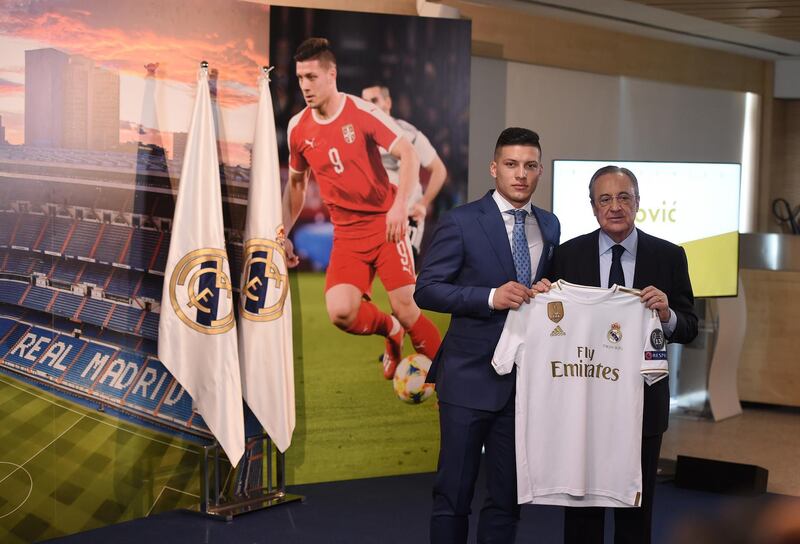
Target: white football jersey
(425, 152)
(583, 355)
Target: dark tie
(519, 247)
(616, 275)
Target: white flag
(265, 327)
(197, 331)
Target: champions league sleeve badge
(657, 339)
(266, 284)
(200, 291)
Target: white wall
(589, 116)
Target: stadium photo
(86, 222)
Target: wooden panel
(736, 13)
(519, 36)
(394, 7)
(769, 371)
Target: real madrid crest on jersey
(266, 283)
(614, 333)
(200, 291)
(349, 134)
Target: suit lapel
(593, 265)
(492, 224)
(548, 244)
(642, 276)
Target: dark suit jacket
(469, 255)
(658, 263)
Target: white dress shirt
(532, 233)
(628, 261)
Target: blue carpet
(377, 510)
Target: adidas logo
(558, 331)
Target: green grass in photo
(350, 423)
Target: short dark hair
(381, 87)
(517, 136)
(614, 169)
(315, 49)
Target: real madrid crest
(614, 333)
(265, 281)
(349, 134)
(200, 291)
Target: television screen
(694, 205)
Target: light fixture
(763, 13)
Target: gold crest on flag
(555, 311)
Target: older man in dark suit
(620, 253)
(481, 262)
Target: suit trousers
(464, 431)
(631, 525)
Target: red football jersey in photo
(344, 156)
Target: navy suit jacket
(469, 255)
(659, 263)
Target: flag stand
(254, 489)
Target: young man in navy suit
(620, 253)
(481, 263)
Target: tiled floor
(766, 437)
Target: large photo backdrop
(95, 101)
(350, 423)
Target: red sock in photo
(370, 320)
(425, 337)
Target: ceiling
(729, 25)
(740, 13)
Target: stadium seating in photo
(95, 274)
(160, 262)
(150, 326)
(144, 244)
(95, 311)
(131, 382)
(19, 262)
(28, 230)
(140, 248)
(11, 291)
(113, 243)
(8, 220)
(37, 298)
(66, 304)
(83, 239)
(55, 233)
(125, 318)
(67, 270)
(122, 282)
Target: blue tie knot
(616, 251)
(519, 215)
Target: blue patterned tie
(519, 247)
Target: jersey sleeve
(379, 126)
(424, 149)
(654, 360)
(512, 340)
(297, 162)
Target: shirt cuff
(491, 297)
(669, 325)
